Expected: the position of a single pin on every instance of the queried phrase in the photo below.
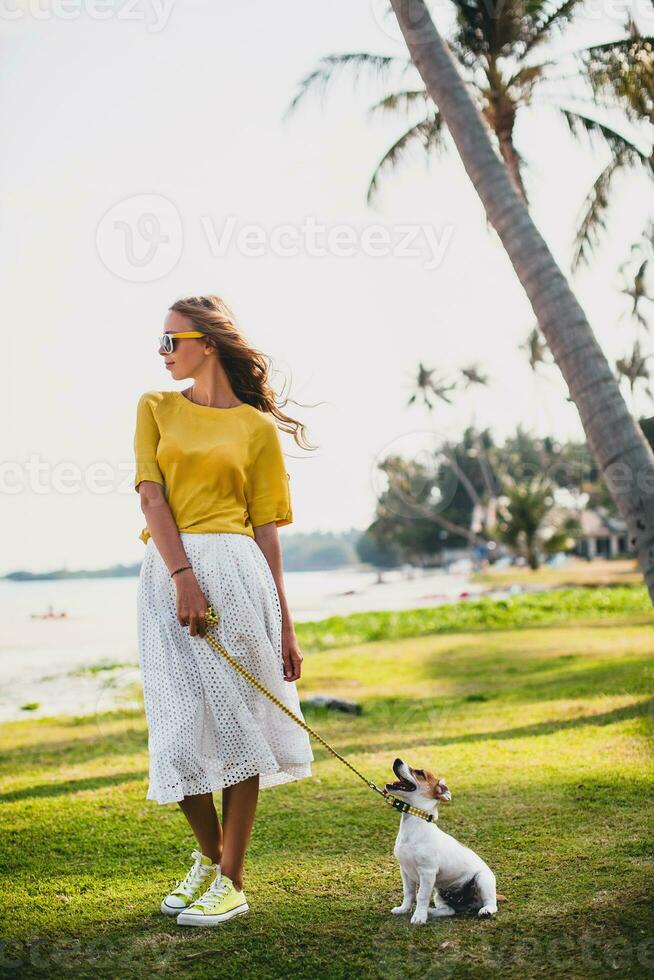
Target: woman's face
(189, 353)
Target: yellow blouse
(222, 469)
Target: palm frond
(526, 77)
(623, 70)
(542, 27)
(624, 153)
(400, 101)
(429, 132)
(621, 147)
(333, 66)
(594, 216)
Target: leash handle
(213, 618)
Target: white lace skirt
(208, 726)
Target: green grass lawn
(577, 571)
(542, 728)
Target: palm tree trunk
(615, 438)
(512, 163)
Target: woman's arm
(191, 603)
(267, 537)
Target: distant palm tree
(637, 292)
(473, 376)
(539, 355)
(637, 276)
(522, 513)
(536, 348)
(427, 386)
(634, 370)
(636, 272)
(497, 51)
(470, 376)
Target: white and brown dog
(432, 860)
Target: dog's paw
(440, 910)
(419, 917)
(401, 909)
(487, 910)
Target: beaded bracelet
(181, 569)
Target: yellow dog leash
(213, 618)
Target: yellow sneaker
(220, 902)
(194, 884)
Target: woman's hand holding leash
(192, 612)
(191, 603)
(291, 654)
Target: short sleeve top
(222, 469)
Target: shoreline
(72, 677)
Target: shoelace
(194, 878)
(215, 893)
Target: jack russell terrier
(432, 860)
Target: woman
(213, 489)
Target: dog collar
(405, 807)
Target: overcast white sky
(176, 110)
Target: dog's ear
(441, 792)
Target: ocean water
(87, 662)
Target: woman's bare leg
(239, 806)
(200, 811)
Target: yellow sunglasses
(167, 341)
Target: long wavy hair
(248, 369)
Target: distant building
(602, 535)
